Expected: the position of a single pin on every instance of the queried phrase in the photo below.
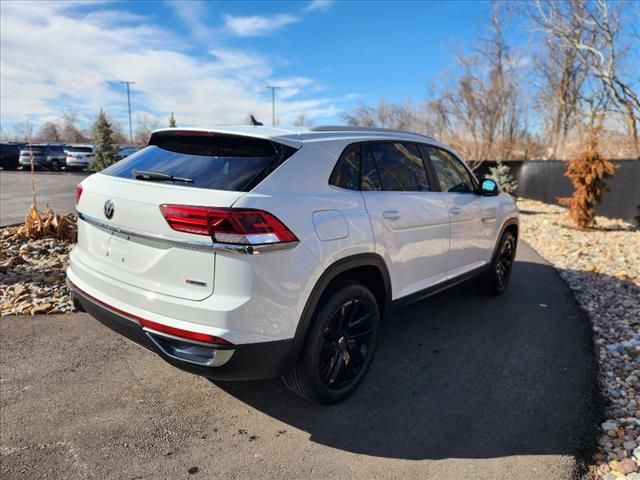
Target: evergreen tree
(501, 173)
(106, 152)
(587, 174)
(172, 121)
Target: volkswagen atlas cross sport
(255, 252)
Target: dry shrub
(39, 224)
(587, 175)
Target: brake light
(243, 226)
(78, 193)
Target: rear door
(410, 223)
(473, 217)
(123, 233)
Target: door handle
(455, 210)
(391, 214)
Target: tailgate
(123, 234)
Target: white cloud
(257, 25)
(318, 5)
(192, 13)
(71, 59)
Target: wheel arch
(511, 225)
(366, 268)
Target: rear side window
(213, 161)
(452, 175)
(346, 173)
(79, 149)
(399, 167)
(35, 149)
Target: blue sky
(209, 62)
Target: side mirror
(489, 187)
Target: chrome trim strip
(201, 245)
(218, 358)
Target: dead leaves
(39, 224)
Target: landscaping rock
(32, 275)
(602, 267)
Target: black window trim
(332, 177)
(432, 176)
(474, 179)
(431, 179)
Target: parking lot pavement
(57, 189)
(463, 387)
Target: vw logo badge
(108, 209)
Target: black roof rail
(345, 128)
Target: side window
(452, 175)
(400, 167)
(370, 176)
(346, 173)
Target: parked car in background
(45, 155)
(126, 151)
(79, 156)
(252, 252)
(10, 155)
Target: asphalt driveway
(57, 189)
(463, 386)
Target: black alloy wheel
(504, 263)
(346, 344)
(496, 280)
(340, 345)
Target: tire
(55, 166)
(340, 346)
(496, 280)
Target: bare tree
(593, 31)
(302, 120)
(118, 133)
(362, 116)
(145, 125)
(558, 98)
(24, 130)
(70, 133)
(481, 114)
(49, 132)
(402, 116)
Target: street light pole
(129, 104)
(273, 104)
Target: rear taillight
(240, 226)
(78, 193)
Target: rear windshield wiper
(159, 177)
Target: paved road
(464, 387)
(54, 188)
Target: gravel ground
(602, 267)
(32, 278)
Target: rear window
(79, 149)
(213, 161)
(34, 149)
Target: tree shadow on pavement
(459, 375)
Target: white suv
(79, 156)
(254, 252)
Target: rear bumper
(235, 362)
(36, 162)
(77, 163)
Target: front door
(473, 217)
(410, 222)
